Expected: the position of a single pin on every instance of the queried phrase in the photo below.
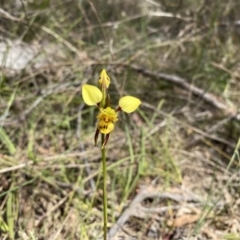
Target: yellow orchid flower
(106, 120)
(107, 116)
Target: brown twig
(147, 192)
(53, 209)
(210, 98)
(213, 129)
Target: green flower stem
(104, 167)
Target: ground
(172, 165)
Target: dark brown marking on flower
(96, 136)
(106, 140)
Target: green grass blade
(7, 141)
(10, 214)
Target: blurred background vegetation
(185, 136)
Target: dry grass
(173, 166)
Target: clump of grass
(49, 167)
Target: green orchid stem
(104, 167)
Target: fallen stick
(147, 192)
(212, 99)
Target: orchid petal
(91, 94)
(129, 104)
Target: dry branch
(210, 98)
(148, 192)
